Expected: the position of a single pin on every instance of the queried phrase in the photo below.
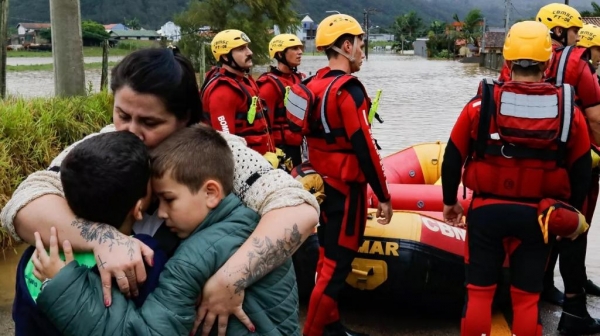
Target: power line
(515, 8)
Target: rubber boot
(575, 319)
(338, 329)
(552, 295)
(591, 288)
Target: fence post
(104, 75)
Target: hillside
(154, 13)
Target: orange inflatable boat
(417, 256)
(414, 179)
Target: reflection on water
(421, 100)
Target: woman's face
(144, 115)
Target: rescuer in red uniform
(341, 149)
(524, 142)
(287, 50)
(230, 98)
(570, 64)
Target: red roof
(592, 20)
(35, 26)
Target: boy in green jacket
(192, 175)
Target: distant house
(170, 31)
(381, 37)
(115, 26)
(493, 41)
(29, 32)
(130, 34)
(420, 46)
(24, 28)
(306, 31)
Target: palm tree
(471, 26)
(408, 23)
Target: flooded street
(50, 60)
(421, 100)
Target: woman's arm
(38, 204)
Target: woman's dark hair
(165, 73)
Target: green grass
(34, 131)
(50, 67)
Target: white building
(306, 31)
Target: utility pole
(4, 37)
(67, 48)
(367, 12)
(507, 17)
(566, 2)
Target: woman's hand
(219, 300)
(47, 266)
(121, 257)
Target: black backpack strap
(206, 83)
(488, 109)
(212, 73)
(278, 83)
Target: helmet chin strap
(232, 63)
(284, 61)
(351, 58)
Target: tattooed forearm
(103, 234)
(267, 255)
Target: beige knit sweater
(271, 189)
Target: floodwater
(420, 102)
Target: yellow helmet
(334, 26)
(528, 40)
(227, 40)
(589, 36)
(282, 42)
(559, 15)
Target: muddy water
(420, 102)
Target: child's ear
(138, 210)
(214, 193)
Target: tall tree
(594, 12)
(254, 17)
(437, 27)
(133, 23)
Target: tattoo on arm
(103, 234)
(267, 255)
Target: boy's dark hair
(104, 176)
(165, 73)
(339, 42)
(194, 155)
